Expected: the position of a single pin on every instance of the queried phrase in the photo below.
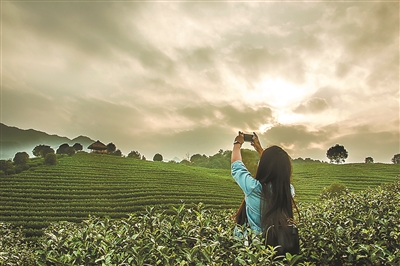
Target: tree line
(44, 155)
(221, 160)
(338, 154)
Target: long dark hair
(274, 173)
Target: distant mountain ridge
(13, 140)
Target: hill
(310, 179)
(15, 140)
(105, 185)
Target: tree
(21, 158)
(396, 159)
(70, 151)
(36, 151)
(117, 153)
(219, 161)
(195, 158)
(185, 162)
(337, 154)
(158, 157)
(62, 149)
(42, 150)
(7, 167)
(50, 159)
(111, 147)
(134, 154)
(199, 160)
(77, 147)
(369, 160)
(46, 151)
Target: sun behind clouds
(280, 93)
(281, 96)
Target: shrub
(396, 159)
(42, 150)
(351, 229)
(63, 148)
(50, 159)
(157, 157)
(77, 147)
(70, 151)
(14, 249)
(334, 190)
(134, 154)
(369, 160)
(188, 236)
(7, 167)
(10, 171)
(117, 153)
(21, 158)
(18, 169)
(185, 162)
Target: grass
(111, 186)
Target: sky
(183, 77)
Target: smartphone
(248, 137)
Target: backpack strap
(266, 234)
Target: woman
(269, 196)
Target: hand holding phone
(248, 137)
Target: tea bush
(101, 185)
(353, 229)
(334, 190)
(14, 250)
(190, 236)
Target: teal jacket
(252, 190)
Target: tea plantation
(105, 185)
(149, 213)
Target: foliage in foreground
(14, 250)
(191, 236)
(353, 229)
(333, 191)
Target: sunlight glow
(278, 93)
(264, 128)
(282, 97)
(287, 117)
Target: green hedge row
(190, 236)
(353, 229)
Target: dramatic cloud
(184, 77)
(313, 105)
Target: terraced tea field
(310, 179)
(104, 185)
(111, 186)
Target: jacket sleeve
(292, 191)
(243, 177)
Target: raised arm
(256, 144)
(237, 144)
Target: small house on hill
(98, 147)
